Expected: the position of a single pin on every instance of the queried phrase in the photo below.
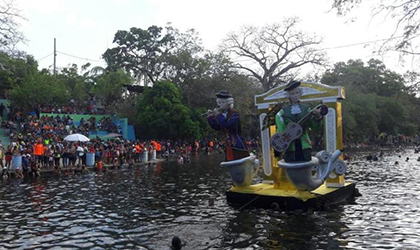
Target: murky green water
(143, 208)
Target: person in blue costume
(226, 119)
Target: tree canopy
(141, 52)
(162, 115)
(376, 100)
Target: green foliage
(361, 111)
(391, 113)
(27, 87)
(373, 78)
(377, 100)
(40, 89)
(15, 72)
(162, 115)
(75, 84)
(109, 87)
(140, 52)
(209, 74)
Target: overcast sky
(84, 29)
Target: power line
(336, 47)
(249, 59)
(357, 44)
(78, 57)
(44, 57)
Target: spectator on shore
(9, 157)
(1, 155)
(80, 153)
(16, 167)
(2, 109)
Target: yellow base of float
(264, 195)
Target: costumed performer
(299, 149)
(226, 119)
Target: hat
(292, 85)
(223, 94)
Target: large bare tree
(273, 53)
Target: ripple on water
(145, 207)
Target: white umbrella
(76, 137)
(111, 135)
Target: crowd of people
(87, 107)
(108, 125)
(38, 143)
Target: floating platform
(264, 195)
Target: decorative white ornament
(295, 109)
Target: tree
(373, 78)
(185, 60)
(157, 53)
(360, 116)
(141, 52)
(405, 13)
(390, 115)
(38, 89)
(206, 75)
(77, 86)
(15, 71)
(10, 35)
(161, 114)
(109, 87)
(272, 54)
(376, 100)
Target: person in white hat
(299, 149)
(226, 119)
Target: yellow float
(316, 184)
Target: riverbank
(53, 171)
(107, 166)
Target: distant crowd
(38, 143)
(89, 106)
(53, 128)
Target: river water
(144, 207)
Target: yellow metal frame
(331, 96)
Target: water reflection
(146, 206)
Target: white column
(330, 131)
(265, 140)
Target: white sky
(86, 28)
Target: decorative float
(317, 183)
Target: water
(143, 208)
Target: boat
(316, 184)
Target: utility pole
(55, 55)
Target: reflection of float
(315, 184)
